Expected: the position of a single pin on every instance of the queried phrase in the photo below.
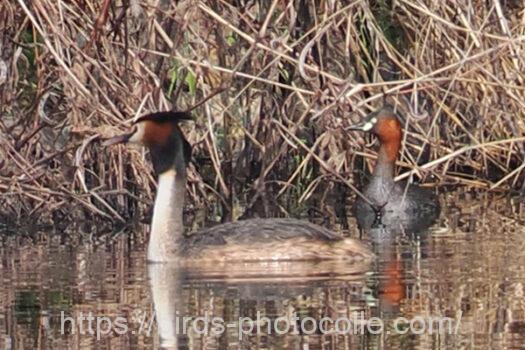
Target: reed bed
(272, 86)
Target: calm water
(460, 286)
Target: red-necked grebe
(393, 205)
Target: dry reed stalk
(291, 75)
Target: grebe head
(385, 124)
(160, 133)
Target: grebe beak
(365, 125)
(118, 139)
(358, 126)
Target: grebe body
(248, 240)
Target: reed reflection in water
(468, 268)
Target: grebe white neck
(167, 224)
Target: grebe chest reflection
(249, 240)
(392, 205)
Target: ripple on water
(469, 268)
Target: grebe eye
(136, 134)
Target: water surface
(467, 272)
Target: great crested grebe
(393, 205)
(248, 240)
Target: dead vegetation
(294, 73)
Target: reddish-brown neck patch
(156, 134)
(389, 132)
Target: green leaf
(173, 78)
(230, 39)
(192, 83)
